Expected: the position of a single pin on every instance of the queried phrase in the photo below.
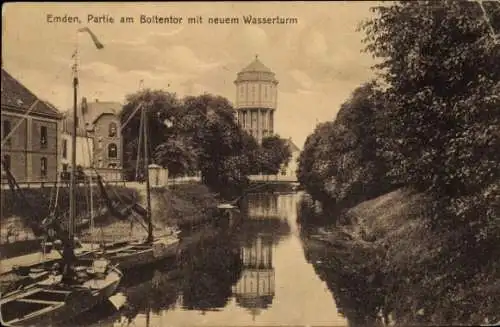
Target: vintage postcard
(250, 164)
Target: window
(43, 137)
(6, 160)
(112, 151)
(6, 129)
(43, 167)
(65, 167)
(242, 89)
(265, 91)
(112, 130)
(65, 149)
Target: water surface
(253, 275)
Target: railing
(273, 178)
(43, 184)
(171, 181)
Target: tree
(177, 155)
(160, 106)
(442, 68)
(441, 64)
(340, 165)
(221, 146)
(310, 166)
(275, 152)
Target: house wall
(84, 147)
(102, 140)
(26, 149)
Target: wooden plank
(39, 301)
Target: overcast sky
(317, 61)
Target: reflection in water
(255, 289)
(209, 269)
(254, 273)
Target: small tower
(256, 99)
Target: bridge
(269, 179)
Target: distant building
(103, 121)
(30, 139)
(256, 102)
(290, 170)
(84, 145)
(256, 99)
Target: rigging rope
(91, 215)
(487, 20)
(141, 129)
(30, 109)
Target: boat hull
(49, 313)
(133, 255)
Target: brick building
(102, 120)
(30, 141)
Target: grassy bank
(17, 214)
(183, 205)
(39, 200)
(385, 253)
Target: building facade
(290, 169)
(256, 99)
(30, 133)
(84, 146)
(102, 120)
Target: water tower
(256, 99)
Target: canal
(254, 274)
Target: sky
(318, 61)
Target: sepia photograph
(250, 164)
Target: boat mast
(146, 175)
(72, 186)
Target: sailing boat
(61, 294)
(132, 254)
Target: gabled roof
(16, 97)
(93, 110)
(293, 147)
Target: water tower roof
(256, 71)
(256, 66)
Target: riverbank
(17, 238)
(183, 206)
(383, 261)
